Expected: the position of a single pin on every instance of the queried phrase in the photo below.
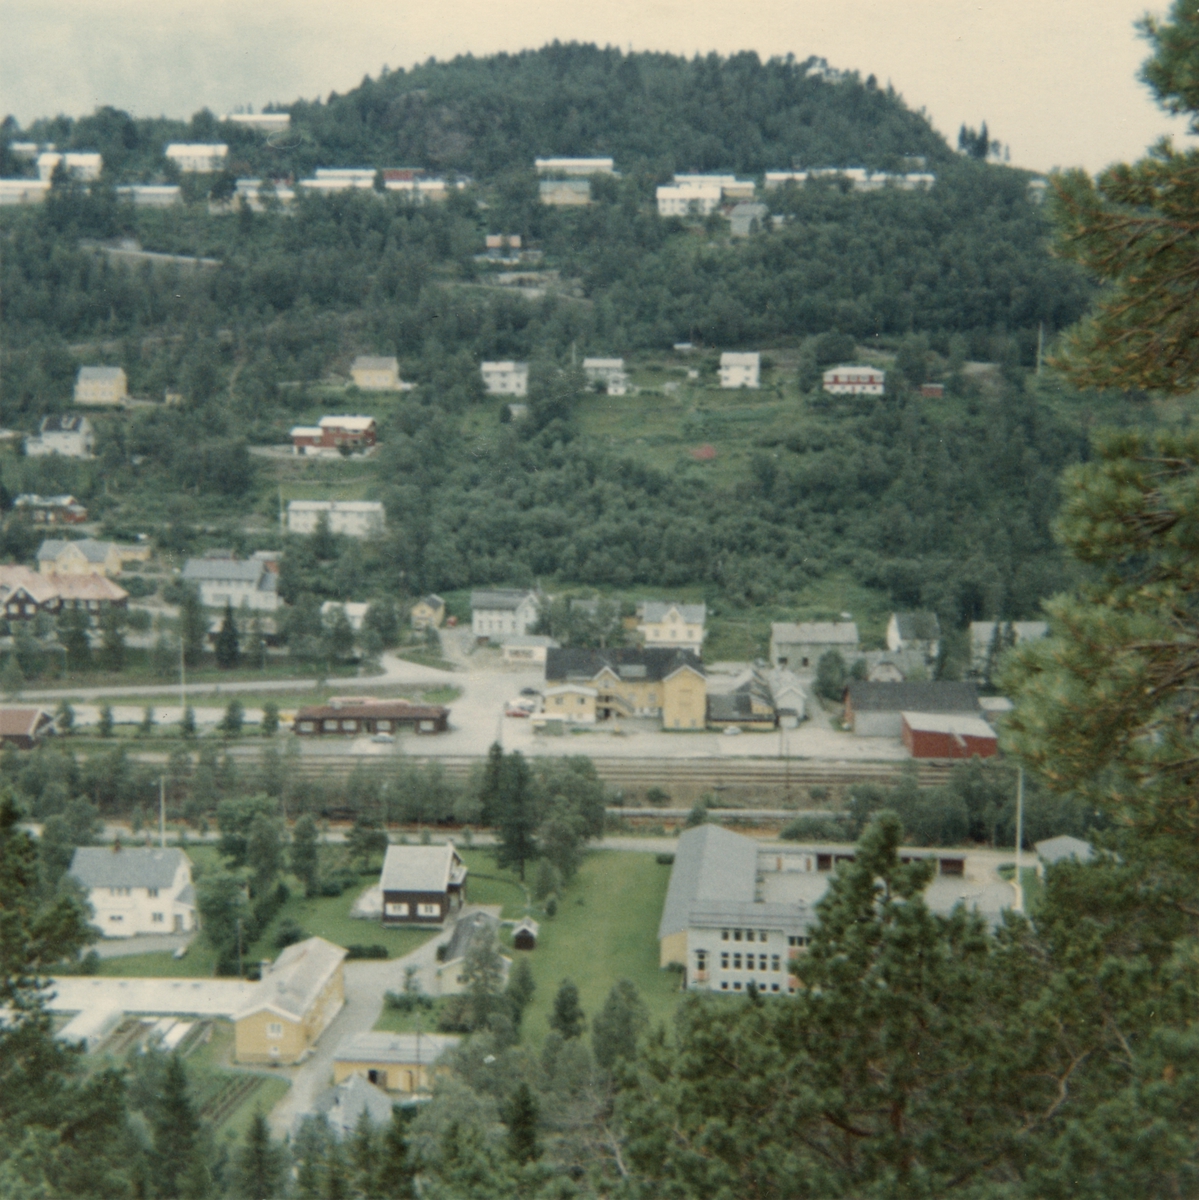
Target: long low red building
(948, 735)
(365, 715)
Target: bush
(138, 587)
(657, 797)
(814, 829)
(665, 860)
(374, 950)
(288, 933)
(407, 1002)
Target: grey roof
(815, 633)
(499, 598)
(296, 978)
(935, 696)
(466, 931)
(655, 611)
(421, 868)
(1058, 848)
(528, 640)
(401, 1048)
(734, 706)
(92, 550)
(342, 1105)
(129, 866)
(918, 626)
(711, 867)
(230, 570)
(101, 374)
(651, 663)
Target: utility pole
(162, 812)
(1019, 836)
(1040, 345)
(239, 973)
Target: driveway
(366, 982)
(150, 943)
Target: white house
(801, 646)
(23, 191)
(502, 610)
(506, 378)
(574, 166)
(678, 626)
(198, 158)
(136, 889)
(272, 122)
(222, 581)
(675, 200)
(354, 518)
(740, 370)
(101, 385)
(85, 166)
(855, 381)
(70, 436)
(915, 632)
(354, 610)
(608, 373)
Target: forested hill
(653, 113)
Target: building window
(429, 910)
(774, 963)
(736, 935)
(701, 960)
(736, 962)
(307, 726)
(392, 909)
(350, 726)
(724, 961)
(724, 987)
(329, 726)
(761, 962)
(152, 893)
(724, 935)
(774, 987)
(115, 917)
(761, 935)
(737, 986)
(274, 1029)
(749, 935)
(157, 918)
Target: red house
(948, 735)
(328, 437)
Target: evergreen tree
(264, 853)
(396, 1178)
(227, 647)
(364, 1156)
(73, 627)
(520, 989)
(112, 639)
(193, 626)
(176, 1163)
(305, 854)
(146, 728)
(259, 1166)
(521, 1117)
(516, 814)
(489, 786)
(234, 719)
(616, 1027)
(270, 718)
(64, 718)
(308, 1152)
(567, 1017)
(187, 723)
(104, 722)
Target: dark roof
(68, 423)
(389, 710)
(918, 626)
(466, 931)
(733, 706)
(928, 697)
(651, 663)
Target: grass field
(606, 929)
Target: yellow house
(101, 385)
(298, 997)
(649, 682)
(678, 626)
(86, 557)
(373, 373)
(428, 612)
(396, 1062)
(574, 702)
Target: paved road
(366, 982)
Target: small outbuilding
(948, 735)
(396, 1062)
(524, 934)
(24, 727)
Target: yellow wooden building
(375, 373)
(396, 1062)
(87, 557)
(428, 612)
(300, 994)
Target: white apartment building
(675, 200)
(136, 889)
(84, 166)
(198, 158)
(678, 626)
(101, 385)
(739, 370)
(855, 381)
(506, 378)
(354, 518)
(222, 581)
(608, 372)
(23, 191)
(70, 436)
(575, 166)
(274, 122)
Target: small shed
(524, 934)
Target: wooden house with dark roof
(365, 715)
(636, 682)
(422, 885)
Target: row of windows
(798, 941)
(748, 934)
(762, 987)
(775, 962)
(399, 909)
(122, 891)
(157, 918)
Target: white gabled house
(740, 370)
(855, 381)
(503, 610)
(137, 889)
(505, 378)
(222, 581)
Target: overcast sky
(1056, 80)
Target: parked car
(517, 712)
(732, 730)
(529, 692)
(383, 739)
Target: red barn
(948, 735)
